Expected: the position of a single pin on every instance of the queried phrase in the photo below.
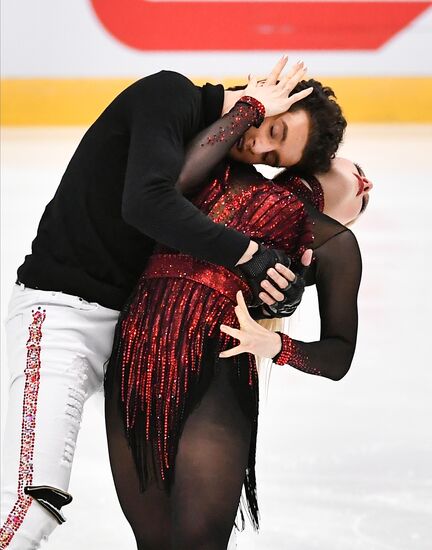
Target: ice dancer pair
(115, 199)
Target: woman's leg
(210, 470)
(210, 467)
(147, 512)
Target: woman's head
(346, 190)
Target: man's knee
(50, 498)
(31, 516)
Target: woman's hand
(274, 94)
(253, 337)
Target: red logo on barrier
(255, 25)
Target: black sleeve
(213, 143)
(161, 113)
(338, 274)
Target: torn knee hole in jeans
(77, 395)
(50, 498)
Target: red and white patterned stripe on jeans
(31, 391)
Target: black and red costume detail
(313, 194)
(170, 327)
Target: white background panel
(60, 38)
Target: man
(117, 196)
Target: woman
(181, 422)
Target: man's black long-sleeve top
(117, 195)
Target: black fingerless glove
(255, 270)
(293, 294)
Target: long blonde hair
(264, 364)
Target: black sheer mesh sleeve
(211, 145)
(338, 272)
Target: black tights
(199, 512)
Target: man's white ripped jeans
(57, 345)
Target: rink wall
(63, 62)
(42, 102)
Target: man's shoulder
(167, 90)
(165, 80)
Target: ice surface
(341, 466)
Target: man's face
(279, 141)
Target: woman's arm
(213, 143)
(338, 273)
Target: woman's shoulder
(326, 229)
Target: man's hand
(284, 302)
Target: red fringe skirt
(165, 353)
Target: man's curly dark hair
(327, 127)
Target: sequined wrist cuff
(285, 354)
(258, 106)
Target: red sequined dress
(168, 337)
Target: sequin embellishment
(314, 195)
(290, 354)
(31, 390)
(163, 336)
(253, 102)
(168, 337)
(248, 112)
